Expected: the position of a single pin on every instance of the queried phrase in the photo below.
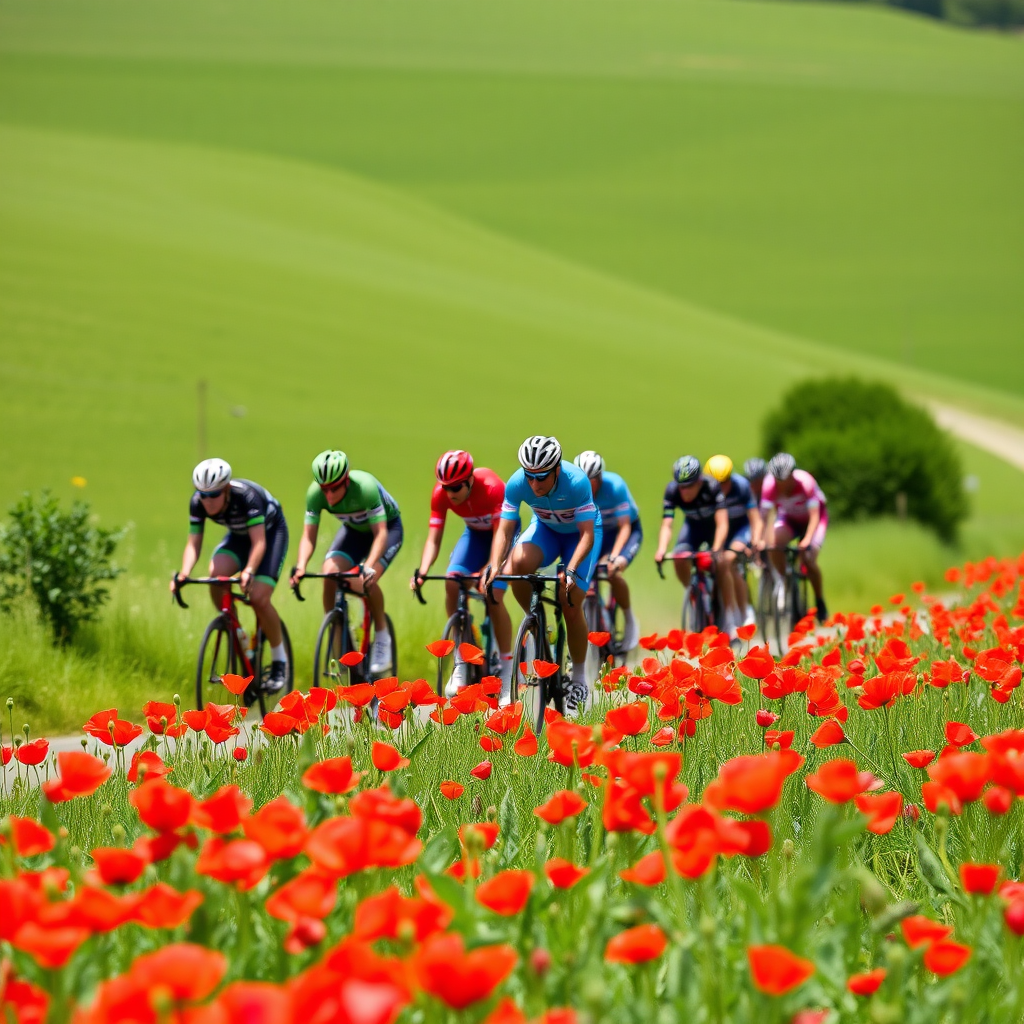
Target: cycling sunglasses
(334, 486)
(453, 488)
(537, 476)
(211, 494)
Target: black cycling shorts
(355, 544)
(238, 545)
(693, 535)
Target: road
(995, 436)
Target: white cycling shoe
(457, 680)
(380, 653)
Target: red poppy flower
(481, 835)
(765, 718)
(311, 894)
(648, 870)
(452, 790)
(482, 771)
(441, 648)
(147, 762)
(746, 632)
(959, 734)
(979, 879)
(161, 806)
(506, 1012)
(239, 753)
(936, 796)
(390, 915)
(239, 862)
(758, 663)
(965, 774)
(334, 775)
(828, 734)
(30, 838)
(471, 654)
(490, 744)
(839, 781)
(543, 669)
(446, 971)
(997, 799)
(629, 719)
(279, 827)
(636, 945)
(80, 774)
(358, 695)
(564, 804)
(919, 758)
(507, 892)
(163, 907)
(50, 946)
(117, 866)
(919, 930)
(779, 738)
(599, 638)
(868, 983)
(387, 758)
(224, 811)
(663, 737)
(882, 810)
(1014, 917)
(775, 970)
(351, 658)
(186, 973)
(234, 683)
(277, 723)
(106, 727)
(752, 783)
(946, 957)
(562, 873)
(526, 745)
(571, 744)
(33, 752)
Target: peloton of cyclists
(254, 546)
(794, 508)
(565, 528)
(369, 537)
(744, 526)
(475, 494)
(620, 526)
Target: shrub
(58, 557)
(866, 445)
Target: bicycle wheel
(454, 630)
(694, 611)
(216, 658)
(262, 667)
(763, 608)
(530, 644)
(331, 643)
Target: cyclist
(753, 470)
(705, 521)
(565, 528)
(620, 526)
(256, 543)
(795, 509)
(369, 537)
(474, 494)
(744, 526)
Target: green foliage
(867, 446)
(60, 558)
(1001, 13)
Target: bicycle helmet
(719, 466)
(454, 467)
(781, 466)
(686, 470)
(539, 454)
(329, 467)
(211, 475)
(753, 469)
(591, 463)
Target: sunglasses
(538, 476)
(336, 486)
(453, 488)
(210, 494)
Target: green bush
(59, 558)
(866, 446)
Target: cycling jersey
(569, 503)
(614, 501)
(739, 501)
(708, 500)
(248, 505)
(365, 503)
(797, 506)
(480, 510)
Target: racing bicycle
(227, 649)
(782, 597)
(341, 632)
(700, 598)
(603, 615)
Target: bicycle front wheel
(332, 642)
(264, 659)
(694, 613)
(216, 658)
(454, 630)
(530, 644)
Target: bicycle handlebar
(210, 581)
(463, 582)
(340, 577)
(537, 580)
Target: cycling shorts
(238, 546)
(559, 547)
(739, 533)
(354, 545)
(630, 548)
(798, 527)
(693, 535)
(471, 553)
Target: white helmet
(211, 475)
(591, 463)
(539, 453)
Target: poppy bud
(240, 753)
(540, 962)
(764, 718)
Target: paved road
(995, 436)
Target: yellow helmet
(719, 466)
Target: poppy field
(833, 836)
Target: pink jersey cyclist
(794, 509)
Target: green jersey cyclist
(369, 537)
(256, 543)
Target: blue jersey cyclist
(620, 525)
(705, 521)
(745, 526)
(254, 546)
(565, 528)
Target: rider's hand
(296, 577)
(417, 580)
(616, 565)
(569, 578)
(659, 557)
(368, 574)
(487, 573)
(245, 580)
(804, 544)
(174, 583)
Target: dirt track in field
(995, 436)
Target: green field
(401, 227)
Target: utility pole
(201, 418)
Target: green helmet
(329, 467)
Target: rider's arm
(721, 529)
(813, 518)
(769, 526)
(380, 542)
(625, 528)
(190, 555)
(430, 550)
(257, 549)
(585, 544)
(664, 537)
(307, 545)
(756, 525)
(499, 550)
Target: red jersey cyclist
(794, 509)
(475, 495)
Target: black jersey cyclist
(254, 547)
(370, 536)
(705, 521)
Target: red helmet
(454, 467)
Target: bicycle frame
(227, 608)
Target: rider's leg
(727, 587)
(683, 569)
(223, 563)
(260, 598)
(783, 535)
(810, 557)
(526, 557)
(335, 563)
(451, 597)
(620, 591)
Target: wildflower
(507, 892)
(117, 866)
(629, 719)
(776, 971)
(636, 945)
(960, 735)
(526, 745)
(979, 879)
(828, 734)
(311, 894)
(562, 873)
(482, 771)
(882, 810)
(919, 758)
(564, 804)
(919, 930)
(946, 957)
(279, 827)
(79, 774)
(839, 781)
(161, 806)
(235, 684)
(997, 799)
(868, 983)
(333, 775)
(752, 783)
(33, 752)
(459, 979)
(441, 648)
(164, 907)
(387, 758)
(965, 774)
(452, 790)
(106, 727)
